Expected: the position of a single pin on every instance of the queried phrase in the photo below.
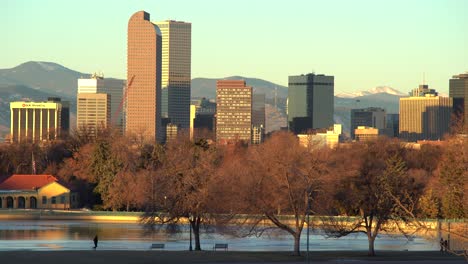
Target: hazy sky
(363, 44)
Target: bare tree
(380, 196)
(281, 180)
(181, 186)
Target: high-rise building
(64, 115)
(393, 121)
(258, 118)
(143, 94)
(176, 71)
(233, 111)
(204, 121)
(92, 112)
(258, 110)
(458, 92)
(98, 85)
(310, 102)
(35, 121)
(369, 117)
(424, 117)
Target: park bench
(157, 246)
(220, 246)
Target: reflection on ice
(78, 235)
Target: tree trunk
(371, 246)
(196, 233)
(297, 244)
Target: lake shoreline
(79, 215)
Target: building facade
(35, 121)
(93, 112)
(458, 92)
(258, 118)
(64, 115)
(330, 138)
(365, 133)
(143, 92)
(424, 117)
(21, 191)
(176, 71)
(422, 90)
(393, 121)
(371, 117)
(233, 111)
(113, 87)
(310, 102)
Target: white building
(113, 87)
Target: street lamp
(190, 233)
(308, 223)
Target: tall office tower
(204, 122)
(35, 121)
(310, 102)
(258, 110)
(258, 118)
(233, 111)
(98, 85)
(93, 112)
(143, 102)
(393, 121)
(424, 117)
(176, 71)
(370, 117)
(64, 115)
(458, 92)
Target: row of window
(53, 199)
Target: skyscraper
(258, 118)
(143, 101)
(99, 85)
(92, 112)
(393, 122)
(204, 123)
(258, 110)
(425, 117)
(176, 71)
(458, 92)
(233, 111)
(370, 117)
(310, 102)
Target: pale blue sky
(363, 43)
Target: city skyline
(364, 44)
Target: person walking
(95, 240)
(441, 245)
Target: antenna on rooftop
(424, 78)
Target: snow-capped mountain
(376, 90)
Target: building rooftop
(461, 76)
(26, 181)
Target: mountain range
(376, 90)
(35, 81)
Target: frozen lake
(78, 235)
